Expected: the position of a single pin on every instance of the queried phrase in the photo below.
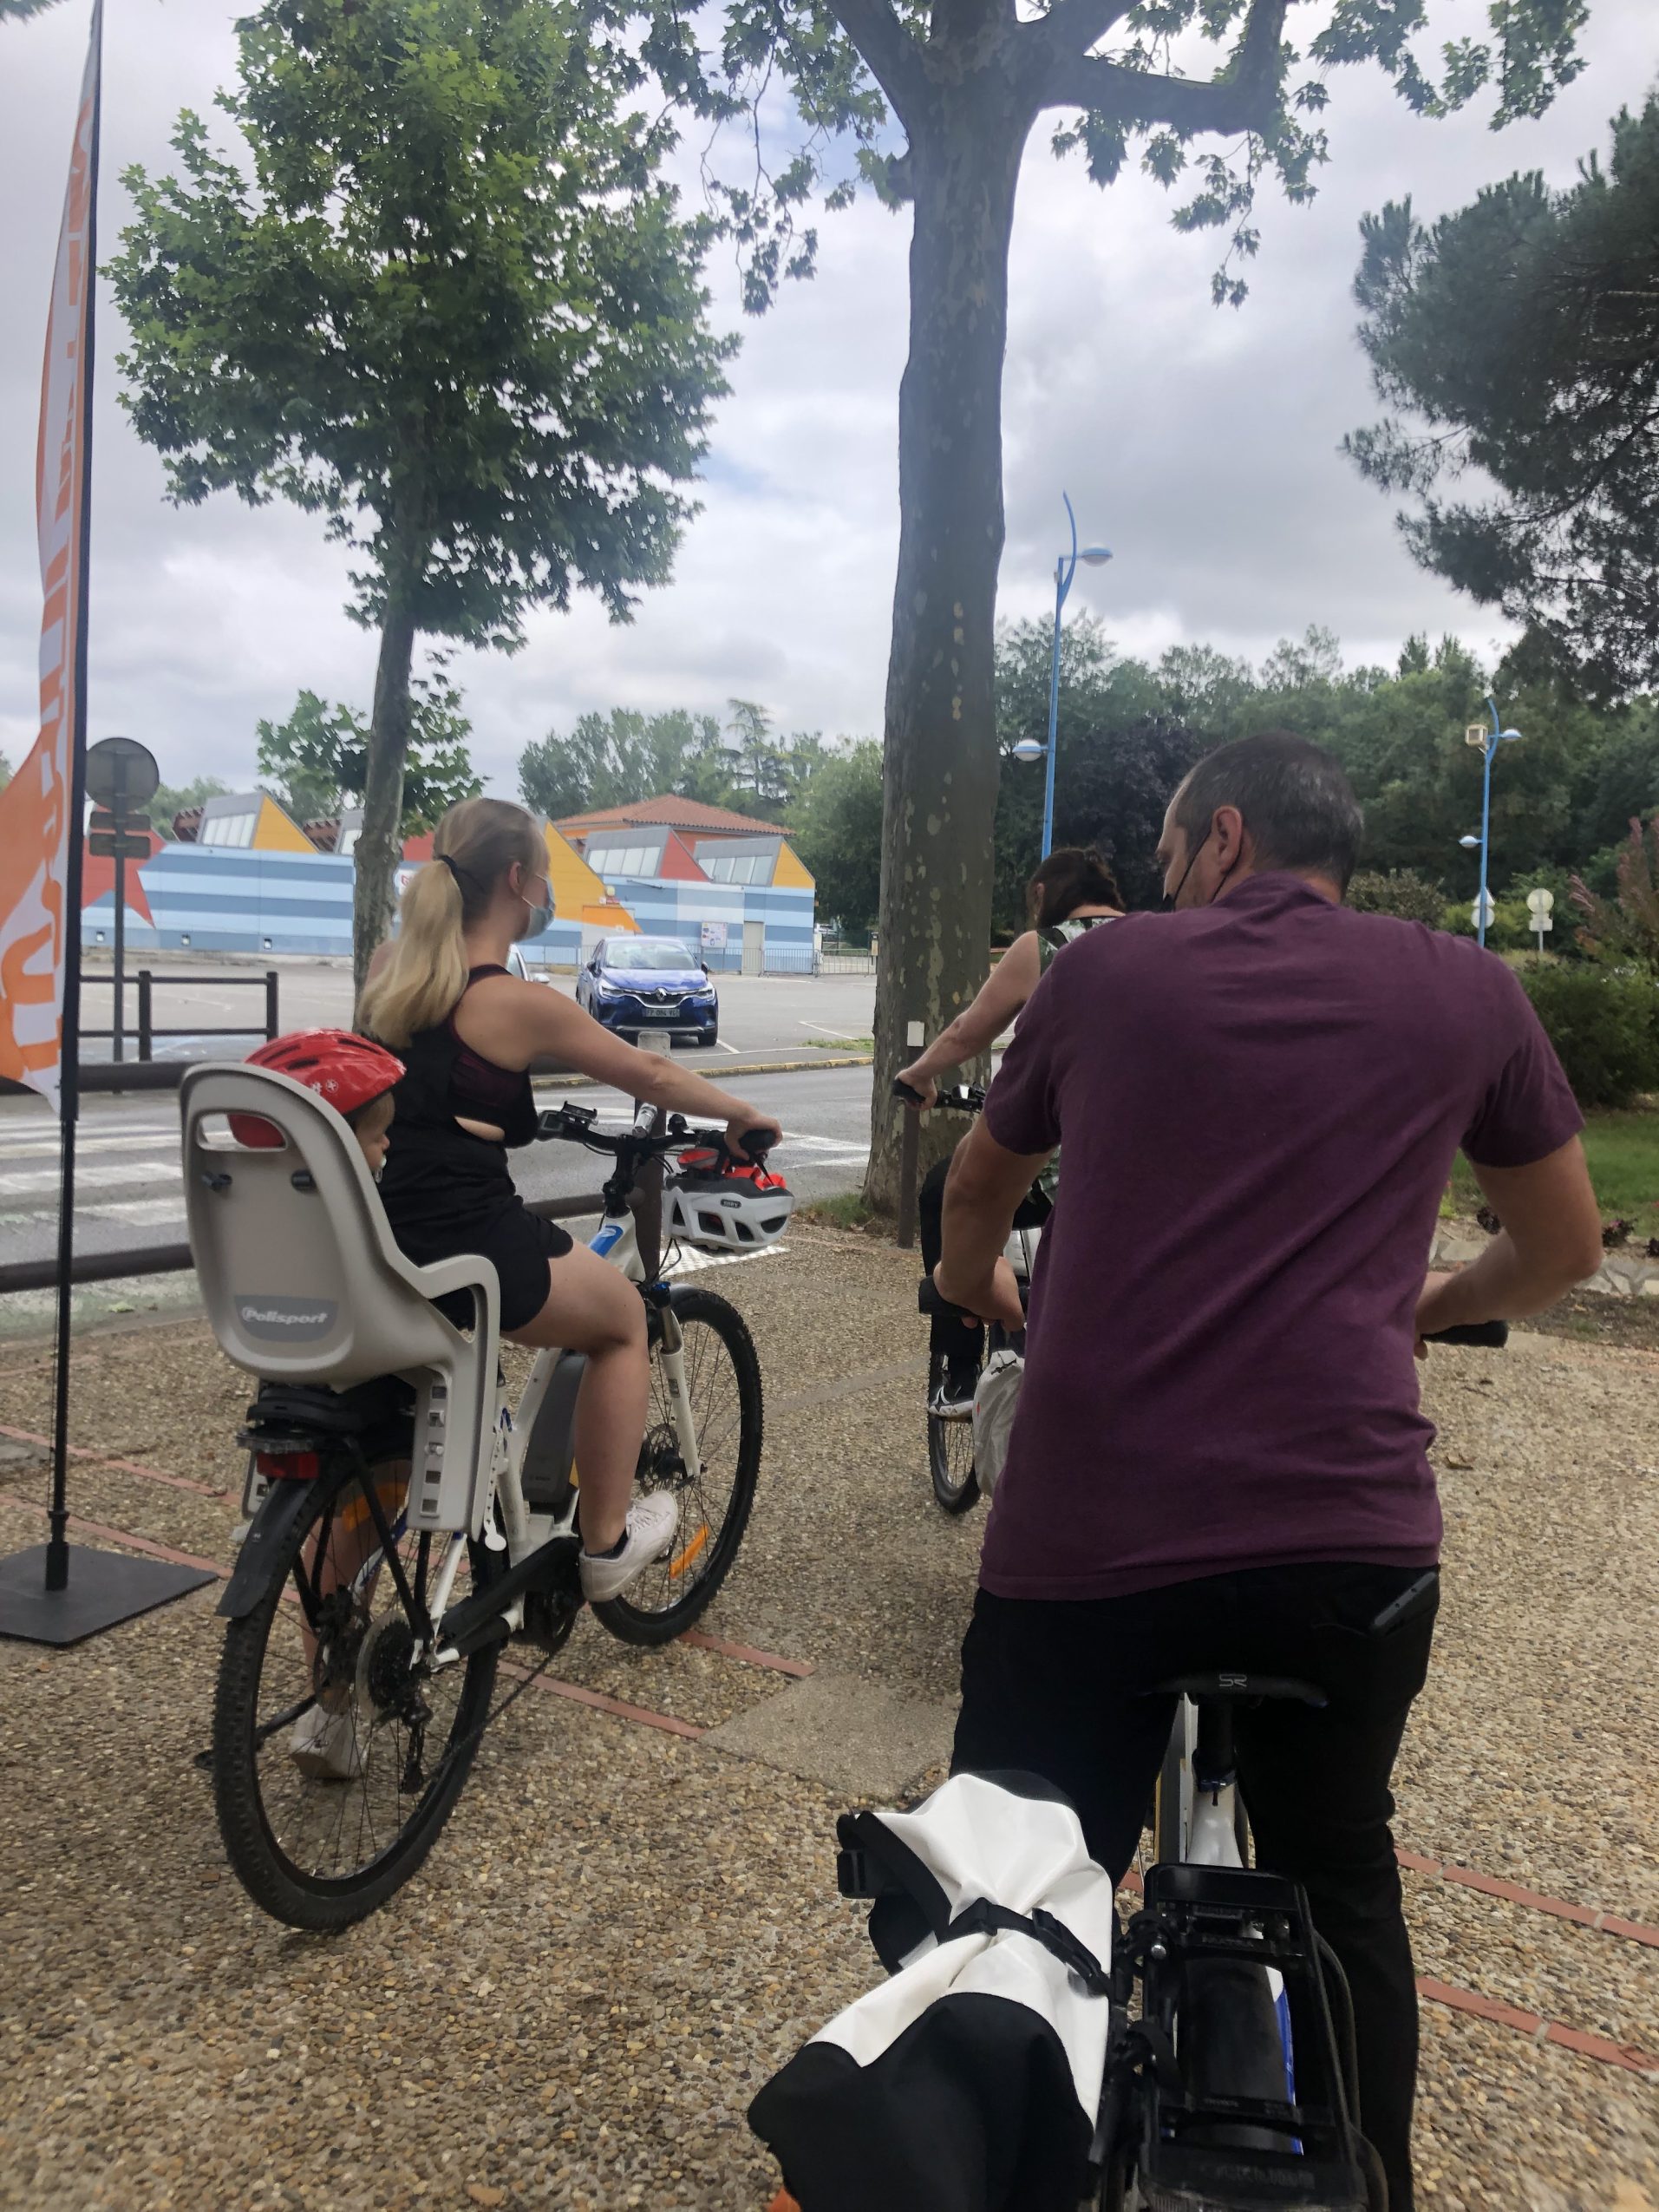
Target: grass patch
(1622, 1149)
(846, 1211)
(840, 1044)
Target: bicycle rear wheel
(337, 1754)
(722, 1386)
(950, 1450)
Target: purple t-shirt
(1260, 1100)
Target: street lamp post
(1487, 741)
(1029, 749)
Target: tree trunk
(380, 847)
(940, 767)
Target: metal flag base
(103, 1589)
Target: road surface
(771, 1014)
(129, 1193)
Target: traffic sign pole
(121, 776)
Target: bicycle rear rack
(1196, 2102)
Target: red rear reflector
(288, 1466)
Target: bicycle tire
(632, 1618)
(1169, 1842)
(276, 1881)
(949, 1451)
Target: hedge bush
(1604, 1027)
(1402, 892)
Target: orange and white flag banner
(36, 923)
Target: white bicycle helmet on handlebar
(726, 1205)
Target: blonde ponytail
(474, 845)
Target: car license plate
(661, 1013)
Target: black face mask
(1172, 899)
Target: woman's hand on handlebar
(749, 1122)
(995, 1299)
(916, 1080)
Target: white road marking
(724, 1046)
(46, 1148)
(690, 1258)
(822, 1031)
(92, 1176)
(136, 1209)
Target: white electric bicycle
(346, 1621)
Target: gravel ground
(623, 1932)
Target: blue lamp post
(1487, 742)
(1029, 749)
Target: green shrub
(1402, 892)
(1604, 1027)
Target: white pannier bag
(971, 2082)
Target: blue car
(632, 984)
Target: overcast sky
(1200, 444)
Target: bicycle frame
(510, 1523)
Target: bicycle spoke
(353, 1671)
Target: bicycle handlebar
(576, 1125)
(928, 1299)
(961, 1098)
(1490, 1336)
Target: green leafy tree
(966, 81)
(454, 310)
(1625, 929)
(169, 801)
(319, 756)
(1400, 892)
(5, 771)
(1520, 338)
(1116, 759)
(837, 821)
(608, 760)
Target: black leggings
(961, 1343)
(1061, 1687)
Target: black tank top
(444, 1077)
(438, 1174)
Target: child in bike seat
(440, 996)
(355, 1077)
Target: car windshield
(648, 952)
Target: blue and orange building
(240, 875)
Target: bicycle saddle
(1286, 1686)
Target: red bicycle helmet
(346, 1070)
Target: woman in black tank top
(441, 995)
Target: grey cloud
(1200, 445)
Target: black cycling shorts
(517, 1243)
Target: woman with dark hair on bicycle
(1070, 892)
(439, 995)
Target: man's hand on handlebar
(915, 1088)
(996, 1298)
(751, 1125)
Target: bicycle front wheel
(950, 1450)
(337, 1752)
(722, 1386)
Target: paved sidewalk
(630, 1919)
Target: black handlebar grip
(903, 1092)
(1490, 1336)
(928, 1299)
(756, 1144)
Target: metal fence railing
(147, 1032)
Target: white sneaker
(652, 1522)
(324, 1745)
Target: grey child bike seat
(304, 1282)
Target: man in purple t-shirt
(1218, 1459)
